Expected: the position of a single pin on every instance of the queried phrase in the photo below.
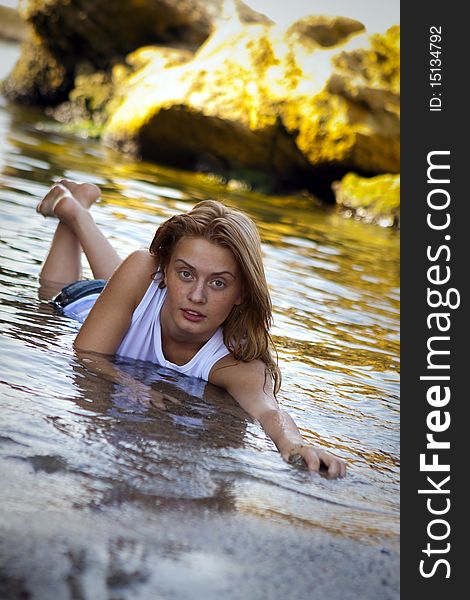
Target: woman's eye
(185, 274)
(218, 283)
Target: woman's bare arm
(108, 322)
(103, 366)
(110, 317)
(248, 384)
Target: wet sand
(128, 552)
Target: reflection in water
(335, 292)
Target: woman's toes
(85, 193)
(69, 184)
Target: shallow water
(70, 440)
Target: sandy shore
(130, 553)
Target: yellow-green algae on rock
(296, 106)
(267, 97)
(208, 109)
(375, 199)
(354, 120)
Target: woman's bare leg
(77, 230)
(63, 261)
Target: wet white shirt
(143, 340)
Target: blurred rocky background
(309, 104)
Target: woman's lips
(192, 315)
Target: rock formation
(181, 84)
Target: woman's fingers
(312, 459)
(318, 460)
(158, 399)
(335, 466)
(172, 399)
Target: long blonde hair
(246, 329)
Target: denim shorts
(77, 290)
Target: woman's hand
(249, 385)
(316, 460)
(158, 399)
(137, 393)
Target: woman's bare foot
(56, 195)
(86, 193)
(82, 194)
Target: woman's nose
(197, 293)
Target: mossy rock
(105, 31)
(257, 97)
(210, 112)
(38, 78)
(86, 109)
(377, 64)
(354, 120)
(302, 103)
(375, 199)
(321, 30)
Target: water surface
(70, 441)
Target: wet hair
(246, 329)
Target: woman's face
(203, 284)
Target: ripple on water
(72, 439)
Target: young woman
(197, 301)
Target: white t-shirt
(143, 340)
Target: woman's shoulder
(134, 275)
(228, 371)
(142, 259)
(139, 264)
